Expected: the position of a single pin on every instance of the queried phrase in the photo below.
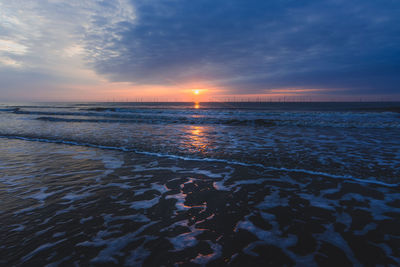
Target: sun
(196, 92)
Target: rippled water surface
(206, 183)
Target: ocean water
(200, 183)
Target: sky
(164, 50)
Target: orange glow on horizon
(185, 92)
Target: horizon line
(228, 101)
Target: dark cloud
(251, 46)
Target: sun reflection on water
(198, 138)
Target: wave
(373, 124)
(145, 113)
(174, 156)
(387, 120)
(40, 107)
(90, 114)
(381, 109)
(168, 120)
(115, 109)
(9, 109)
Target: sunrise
(199, 133)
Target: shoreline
(122, 208)
(232, 162)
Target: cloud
(252, 46)
(42, 44)
(242, 46)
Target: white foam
(19, 228)
(270, 237)
(207, 173)
(137, 257)
(180, 201)
(58, 234)
(250, 181)
(74, 173)
(185, 240)
(44, 231)
(120, 185)
(145, 204)
(344, 177)
(113, 245)
(112, 162)
(233, 162)
(318, 201)
(84, 155)
(366, 229)
(334, 238)
(134, 217)
(83, 220)
(160, 188)
(39, 249)
(62, 211)
(73, 197)
(184, 223)
(220, 185)
(29, 209)
(273, 200)
(41, 195)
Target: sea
(200, 184)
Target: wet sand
(77, 205)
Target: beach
(171, 184)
